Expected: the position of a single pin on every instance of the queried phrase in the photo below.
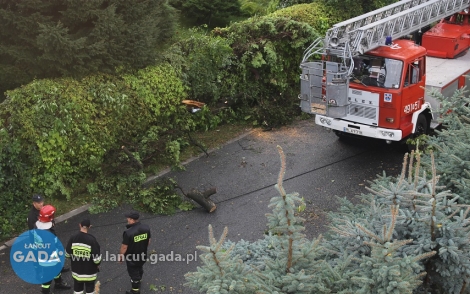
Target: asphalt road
(319, 167)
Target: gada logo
(37, 256)
(42, 257)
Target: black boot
(135, 288)
(62, 285)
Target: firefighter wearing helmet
(46, 218)
(46, 222)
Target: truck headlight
(325, 121)
(387, 134)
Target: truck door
(413, 92)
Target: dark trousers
(46, 287)
(79, 286)
(135, 271)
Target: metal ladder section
(354, 37)
(403, 23)
(339, 33)
(324, 85)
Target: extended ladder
(368, 31)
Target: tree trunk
(202, 198)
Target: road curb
(150, 180)
(58, 219)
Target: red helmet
(46, 214)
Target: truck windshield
(377, 71)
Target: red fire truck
(364, 79)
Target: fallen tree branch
(202, 198)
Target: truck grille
(363, 113)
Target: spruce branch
(394, 211)
(424, 256)
(433, 195)
(466, 212)
(403, 170)
(216, 260)
(372, 235)
(222, 239)
(418, 165)
(283, 194)
(410, 169)
(282, 171)
(211, 236)
(416, 179)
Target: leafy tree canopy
(210, 12)
(357, 7)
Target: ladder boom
(340, 30)
(403, 23)
(368, 31)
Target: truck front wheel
(422, 126)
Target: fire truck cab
(385, 88)
(370, 82)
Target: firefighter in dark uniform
(46, 222)
(84, 251)
(33, 215)
(135, 241)
(38, 203)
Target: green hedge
(58, 135)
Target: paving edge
(148, 182)
(58, 219)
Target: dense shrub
(318, 15)
(265, 76)
(204, 61)
(258, 7)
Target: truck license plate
(352, 131)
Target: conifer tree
(452, 144)
(292, 269)
(409, 236)
(42, 39)
(429, 216)
(384, 271)
(222, 272)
